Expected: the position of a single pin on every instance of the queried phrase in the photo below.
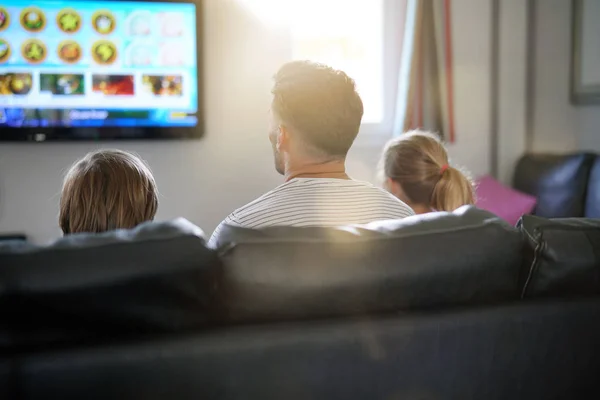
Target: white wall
(555, 120)
(512, 71)
(205, 180)
(559, 126)
(471, 36)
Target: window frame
(394, 22)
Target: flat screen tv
(102, 69)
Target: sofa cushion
(426, 261)
(592, 205)
(558, 181)
(158, 277)
(563, 256)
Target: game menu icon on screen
(104, 22)
(4, 51)
(172, 24)
(4, 19)
(33, 19)
(173, 54)
(34, 51)
(113, 85)
(140, 54)
(62, 84)
(104, 52)
(69, 51)
(68, 20)
(163, 85)
(12, 83)
(139, 23)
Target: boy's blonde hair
(419, 163)
(106, 190)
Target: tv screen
(98, 70)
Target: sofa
(439, 306)
(565, 185)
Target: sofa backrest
(422, 262)
(427, 307)
(158, 277)
(562, 257)
(559, 182)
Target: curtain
(425, 85)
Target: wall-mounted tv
(102, 69)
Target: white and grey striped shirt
(317, 202)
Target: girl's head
(106, 190)
(417, 171)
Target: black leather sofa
(565, 185)
(441, 306)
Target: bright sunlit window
(348, 35)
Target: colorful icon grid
(77, 55)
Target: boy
(106, 190)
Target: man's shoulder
(381, 193)
(294, 187)
(257, 203)
(299, 197)
(317, 189)
(388, 200)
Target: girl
(417, 171)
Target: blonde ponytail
(453, 190)
(418, 162)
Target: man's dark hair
(320, 103)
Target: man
(314, 119)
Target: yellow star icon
(35, 52)
(105, 52)
(69, 22)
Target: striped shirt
(317, 202)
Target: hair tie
(444, 168)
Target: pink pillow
(507, 203)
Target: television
(99, 70)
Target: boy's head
(106, 190)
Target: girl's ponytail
(453, 190)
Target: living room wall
(205, 180)
(558, 125)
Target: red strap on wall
(449, 76)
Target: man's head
(106, 190)
(315, 113)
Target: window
(361, 37)
(347, 35)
